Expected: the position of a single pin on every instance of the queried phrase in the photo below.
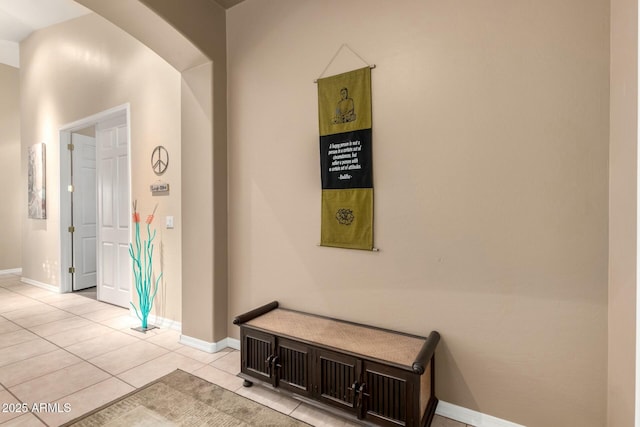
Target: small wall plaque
(159, 187)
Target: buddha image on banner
(344, 102)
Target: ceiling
(19, 18)
(228, 3)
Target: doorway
(84, 209)
(95, 206)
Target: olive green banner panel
(347, 218)
(344, 102)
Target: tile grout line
(294, 409)
(59, 293)
(82, 359)
(98, 367)
(110, 376)
(13, 345)
(16, 398)
(88, 360)
(73, 314)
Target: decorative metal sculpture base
(144, 330)
(142, 264)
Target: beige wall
(198, 248)
(623, 214)
(193, 40)
(490, 135)
(80, 68)
(204, 175)
(12, 195)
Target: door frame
(80, 159)
(65, 180)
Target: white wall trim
(65, 179)
(163, 322)
(159, 321)
(96, 118)
(469, 416)
(233, 343)
(637, 285)
(12, 271)
(40, 285)
(209, 347)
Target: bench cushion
(365, 341)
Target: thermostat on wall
(159, 187)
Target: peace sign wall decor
(159, 160)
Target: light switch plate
(170, 222)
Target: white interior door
(85, 216)
(114, 212)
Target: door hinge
(72, 270)
(70, 147)
(72, 229)
(70, 188)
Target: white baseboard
(471, 417)
(165, 323)
(161, 322)
(12, 271)
(209, 347)
(153, 319)
(233, 343)
(40, 284)
(228, 343)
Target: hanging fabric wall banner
(344, 110)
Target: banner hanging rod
(369, 250)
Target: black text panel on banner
(344, 112)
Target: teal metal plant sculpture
(142, 257)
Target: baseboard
(233, 343)
(40, 285)
(11, 271)
(471, 417)
(164, 322)
(228, 343)
(153, 319)
(160, 322)
(209, 347)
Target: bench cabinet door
(258, 351)
(388, 395)
(335, 375)
(294, 367)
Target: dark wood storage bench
(379, 376)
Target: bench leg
(247, 383)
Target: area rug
(182, 399)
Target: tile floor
(70, 349)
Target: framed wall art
(36, 182)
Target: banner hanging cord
(372, 66)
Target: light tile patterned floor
(69, 349)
